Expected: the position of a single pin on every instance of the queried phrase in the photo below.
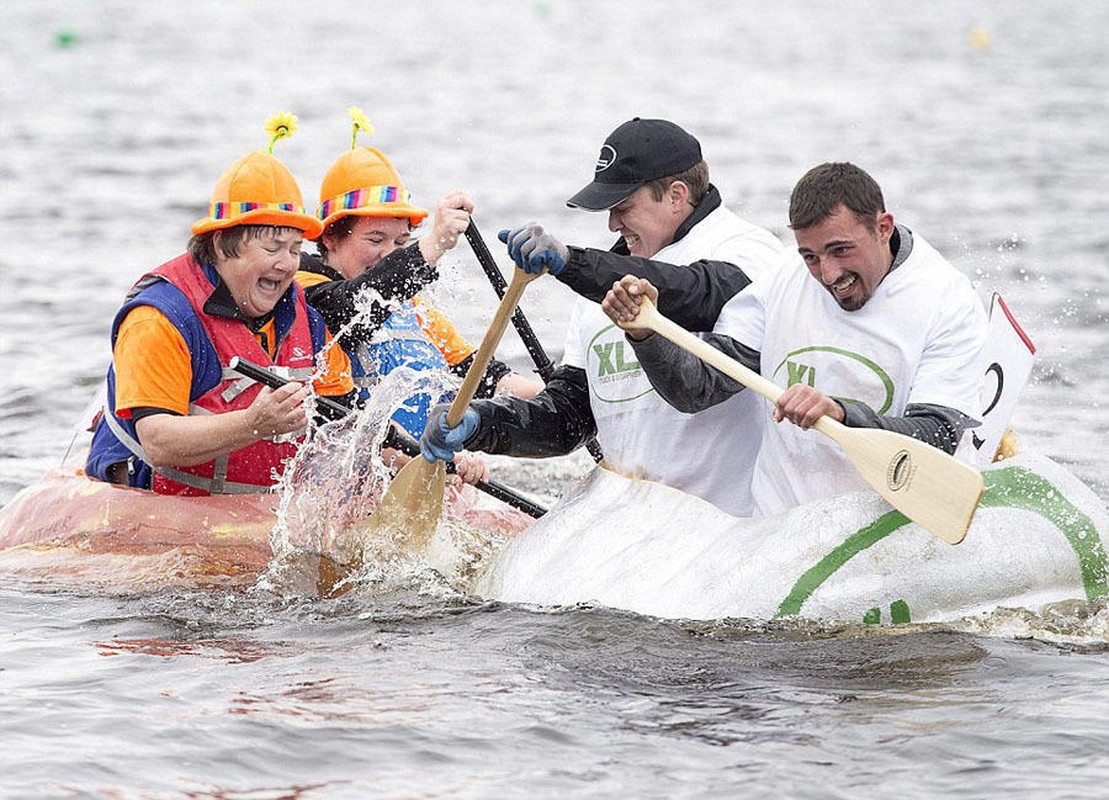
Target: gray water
(115, 119)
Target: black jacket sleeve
(690, 294)
(555, 422)
(940, 426)
(685, 381)
(398, 276)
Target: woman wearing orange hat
(368, 219)
(177, 420)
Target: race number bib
(1006, 364)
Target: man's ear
(885, 225)
(678, 193)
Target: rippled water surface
(986, 125)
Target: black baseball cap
(638, 151)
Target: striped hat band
(366, 196)
(219, 211)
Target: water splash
(1072, 623)
(334, 483)
(340, 472)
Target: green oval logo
(878, 386)
(614, 373)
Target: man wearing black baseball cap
(652, 180)
(638, 151)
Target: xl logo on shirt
(838, 369)
(610, 357)
(614, 373)
(800, 373)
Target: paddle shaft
(393, 438)
(729, 366)
(409, 510)
(543, 364)
(488, 346)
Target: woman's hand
(452, 218)
(471, 467)
(278, 411)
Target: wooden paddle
(408, 513)
(543, 364)
(934, 490)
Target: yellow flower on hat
(361, 123)
(280, 126)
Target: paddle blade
(406, 517)
(934, 490)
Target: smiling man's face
(847, 256)
(647, 224)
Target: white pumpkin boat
(1037, 538)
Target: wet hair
(696, 178)
(824, 188)
(340, 229)
(202, 247)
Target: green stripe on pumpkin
(1009, 487)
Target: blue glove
(440, 442)
(535, 250)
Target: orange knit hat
(259, 190)
(363, 182)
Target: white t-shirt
(915, 341)
(710, 454)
